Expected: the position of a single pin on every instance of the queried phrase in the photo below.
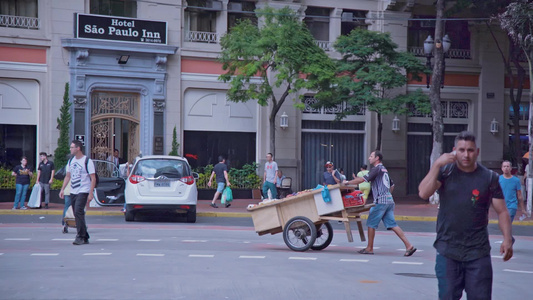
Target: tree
(282, 53)
(367, 73)
(517, 21)
(175, 144)
(63, 123)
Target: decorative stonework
(159, 106)
(81, 56)
(160, 62)
(80, 102)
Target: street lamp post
(429, 45)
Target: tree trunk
(380, 130)
(276, 105)
(434, 92)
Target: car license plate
(161, 183)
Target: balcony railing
(201, 37)
(19, 22)
(452, 53)
(326, 45)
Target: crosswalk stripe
(17, 239)
(247, 256)
(201, 255)
(107, 240)
(302, 258)
(518, 271)
(145, 240)
(72, 239)
(150, 254)
(353, 260)
(407, 263)
(96, 254)
(44, 254)
(194, 241)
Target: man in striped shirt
(382, 187)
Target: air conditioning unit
(214, 5)
(347, 17)
(234, 7)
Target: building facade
(138, 69)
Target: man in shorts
(221, 172)
(382, 187)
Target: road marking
(201, 255)
(95, 254)
(407, 263)
(17, 239)
(44, 254)
(63, 239)
(148, 240)
(364, 247)
(1, 253)
(107, 240)
(518, 271)
(500, 256)
(498, 242)
(246, 242)
(194, 241)
(150, 254)
(417, 250)
(353, 260)
(302, 258)
(247, 256)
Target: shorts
(380, 212)
(220, 186)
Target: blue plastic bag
(325, 194)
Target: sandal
(364, 251)
(410, 251)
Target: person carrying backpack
(82, 177)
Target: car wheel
(129, 216)
(191, 216)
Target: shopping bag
(70, 213)
(229, 195)
(35, 196)
(325, 194)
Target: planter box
(9, 196)
(207, 194)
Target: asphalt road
(223, 258)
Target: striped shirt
(381, 184)
(79, 177)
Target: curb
(219, 215)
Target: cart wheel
(299, 234)
(324, 235)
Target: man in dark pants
(45, 176)
(466, 190)
(81, 174)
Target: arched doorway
(115, 121)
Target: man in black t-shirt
(45, 176)
(221, 172)
(466, 190)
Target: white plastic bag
(70, 213)
(35, 196)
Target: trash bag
(325, 194)
(35, 196)
(228, 194)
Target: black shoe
(65, 229)
(46, 206)
(78, 241)
(228, 205)
(86, 241)
(213, 205)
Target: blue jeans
(272, 187)
(67, 204)
(20, 195)
(475, 277)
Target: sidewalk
(407, 209)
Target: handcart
(304, 219)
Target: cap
(329, 164)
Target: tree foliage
(517, 21)
(367, 74)
(175, 145)
(279, 54)
(63, 123)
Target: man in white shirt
(81, 175)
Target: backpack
(87, 169)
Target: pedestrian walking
(466, 189)
(221, 172)
(81, 175)
(22, 175)
(331, 176)
(270, 177)
(45, 176)
(382, 187)
(512, 190)
(363, 186)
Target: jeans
(67, 204)
(272, 187)
(78, 202)
(20, 195)
(45, 187)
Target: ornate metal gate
(106, 110)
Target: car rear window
(153, 168)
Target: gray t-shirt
(219, 170)
(270, 169)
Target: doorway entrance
(115, 119)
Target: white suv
(161, 183)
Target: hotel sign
(120, 29)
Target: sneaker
(14, 208)
(86, 241)
(24, 207)
(228, 205)
(213, 205)
(78, 241)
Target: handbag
(61, 173)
